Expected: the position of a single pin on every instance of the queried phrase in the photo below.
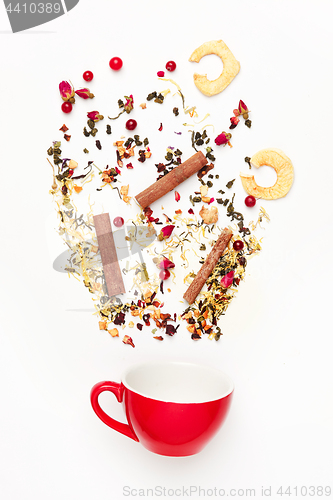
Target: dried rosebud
(227, 280)
(129, 103)
(95, 116)
(243, 109)
(84, 93)
(165, 264)
(234, 122)
(128, 340)
(166, 231)
(222, 139)
(67, 92)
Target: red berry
(115, 63)
(118, 221)
(88, 76)
(238, 245)
(164, 274)
(70, 172)
(66, 107)
(170, 65)
(131, 124)
(250, 201)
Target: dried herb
(94, 131)
(248, 123)
(108, 129)
(85, 151)
(98, 145)
(175, 111)
(230, 184)
(210, 156)
(247, 159)
(91, 124)
(85, 132)
(159, 98)
(151, 96)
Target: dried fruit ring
(283, 167)
(231, 67)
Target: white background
(277, 343)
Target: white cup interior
(178, 382)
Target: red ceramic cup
(172, 408)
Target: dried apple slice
(231, 67)
(283, 167)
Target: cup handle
(117, 390)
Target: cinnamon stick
(107, 248)
(171, 180)
(221, 244)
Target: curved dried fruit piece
(283, 167)
(231, 67)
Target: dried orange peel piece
(283, 167)
(231, 67)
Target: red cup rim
(213, 370)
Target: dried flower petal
(242, 108)
(95, 116)
(165, 264)
(223, 138)
(84, 93)
(128, 340)
(77, 189)
(227, 280)
(64, 128)
(171, 330)
(129, 103)
(66, 91)
(166, 231)
(191, 211)
(234, 122)
(177, 196)
(236, 112)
